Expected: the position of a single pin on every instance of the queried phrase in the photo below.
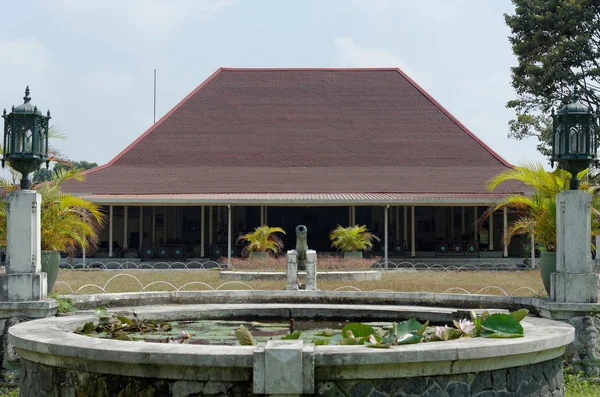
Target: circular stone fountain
(56, 361)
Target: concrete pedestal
(574, 280)
(311, 270)
(23, 287)
(291, 259)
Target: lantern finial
(27, 98)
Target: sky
(91, 62)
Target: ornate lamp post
(25, 149)
(574, 137)
(574, 144)
(25, 139)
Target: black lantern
(25, 139)
(574, 137)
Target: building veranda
(319, 147)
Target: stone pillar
(574, 280)
(23, 280)
(311, 270)
(23, 287)
(284, 368)
(291, 259)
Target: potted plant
(536, 213)
(262, 241)
(352, 240)
(68, 223)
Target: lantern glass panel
(576, 140)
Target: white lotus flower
(465, 326)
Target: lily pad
(293, 335)
(359, 330)
(500, 325)
(101, 312)
(520, 314)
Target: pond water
(222, 332)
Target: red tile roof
(301, 131)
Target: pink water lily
(186, 335)
(464, 326)
(443, 333)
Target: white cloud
(436, 9)
(350, 54)
(114, 83)
(22, 62)
(153, 18)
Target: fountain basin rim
(51, 340)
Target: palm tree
(68, 223)
(536, 213)
(352, 238)
(262, 239)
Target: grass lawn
(517, 283)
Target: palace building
(319, 147)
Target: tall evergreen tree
(557, 44)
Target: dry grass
(518, 283)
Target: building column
(385, 233)
(412, 232)
(462, 222)
(219, 225)
(504, 231)
(353, 215)
(491, 233)
(141, 233)
(165, 225)
(125, 224)
(405, 225)
(210, 225)
(398, 224)
(202, 231)
(229, 236)
(266, 215)
(153, 226)
(452, 223)
(110, 231)
(475, 230)
(262, 215)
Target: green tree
(44, 175)
(557, 45)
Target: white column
(202, 231)
(491, 233)
(141, 233)
(125, 224)
(412, 231)
(475, 230)
(505, 230)
(153, 226)
(532, 251)
(165, 225)
(229, 235)
(398, 224)
(452, 223)
(385, 233)
(83, 255)
(210, 225)
(219, 225)
(110, 231)
(405, 225)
